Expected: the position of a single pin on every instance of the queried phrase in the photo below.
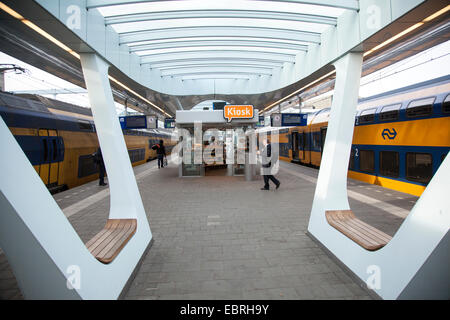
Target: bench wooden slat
(118, 235)
(102, 235)
(355, 235)
(108, 243)
(375, 232)
(109, 253)
(108, 236)
(359, 232)
(363, 234)
(365, 229)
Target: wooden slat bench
(363, 234)
(106, 244)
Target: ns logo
(386, 133)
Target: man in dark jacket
(98, 160)
(267, 164)
(161, 153)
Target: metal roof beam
(218, 70)
(217, 77)
(213, 55)
(222, 65)
(215, 31)
(343, 4)
(218, 74)
(210, 43)
(231, 62)
(217, 14)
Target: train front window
(389, 164)
(390, 113)
(367, 161)
(419, 167)
(420, 108)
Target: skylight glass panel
(226, 22)
(219, 39)
(216, 48)
(165, 6)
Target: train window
(316, 140)
(419, 167)
(443, 157)
(446, 105)
(367, 160)
(136, 155)
(390, 112)
(55, 149)
(420, 108)
(389, 164)
(44, 141)
(86, 166)
(301, 141)
(351, 164)
(367, 116)
(84, 125)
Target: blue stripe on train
(437, 154)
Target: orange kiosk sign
(231, 112)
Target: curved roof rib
(237, 39)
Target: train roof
(414, 87)
(58, 105)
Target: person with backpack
(161, 153)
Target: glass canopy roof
(206, 39)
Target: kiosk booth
(218, 138)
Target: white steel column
(331, 189)
(41, 245)
(126, 202)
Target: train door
(302, 144)
(323, 135)
(294, 145)
(51, 153)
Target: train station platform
(221, 237)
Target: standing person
(267, 164)
(161, 152)
(98, 160)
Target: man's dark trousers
(101, 169)
(270, 177)
(160, 161)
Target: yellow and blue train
(59, 139)
(400, 137)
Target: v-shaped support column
(331, 189)
(40, 244)
(414, 263)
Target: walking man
(267, 164)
